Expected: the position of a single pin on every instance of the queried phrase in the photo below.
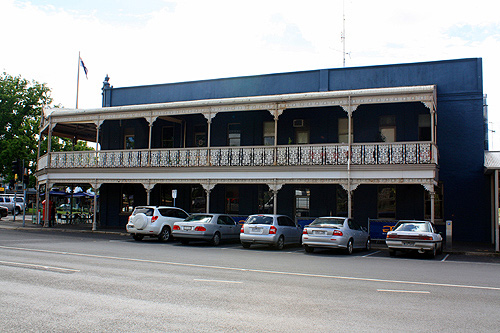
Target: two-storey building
(382, 142)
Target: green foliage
(21, 105)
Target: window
(301, 127)
(127, 204)
(285, 221)
(232, 199)
(302, 197)
(344, 130)
(266, 200)
(424, 127)
(234, 135)
(342, 204)
(169, 212)
(438, 203)
(387, 128)
(167, 137)
(198, 199)
(166, 195)
(269, 133)
(129, 141)
(386, 202)
(200, 135)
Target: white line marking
(369, 254)
(351, 278)
(40, 267)
(219, 281)
(446, 257)
(404, 291)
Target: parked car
(337, 233)
(206, 227)
(3, 211)
(154, 221)
(14, 206)
(420, 236)
(273, 230)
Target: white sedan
(418, 236)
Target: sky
(160, 41)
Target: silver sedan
(206, 227)
(336, 233)
(420, 236)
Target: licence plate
(319, 232)
(409, 243)
(187, 228)
(256, 230)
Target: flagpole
(78, 80)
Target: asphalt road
(52, 281)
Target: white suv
(15, 207)
(154, 221)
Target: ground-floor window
(302, 199)
(232, 199)
(342, 204)
(438, 203)
(198, 199)
(266, 200)
(127, 202)
(386, 202)
(166, 198)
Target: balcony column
(95, 186)
(274, 188)
(432, 193)
(49, 142)
(98, 124)
(209, 116)
(148, 187)
(276, 113)
(349, 187)
(208, 187)
(150, 121)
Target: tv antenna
(342, 37)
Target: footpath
(8, 222)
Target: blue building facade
(384, 143)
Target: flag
(84, 68)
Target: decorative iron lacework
(328, 154)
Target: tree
(21, 105)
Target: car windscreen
(259, 220)
(144, 210)
(412, 226)
(199, 218)
(333, 222)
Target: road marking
(219, 281)
(39, 267)
(324, 276)
(446, 257)
(370, 254)
(404, 291)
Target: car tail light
(242, 230)
(154, 218)
(425, 237)
(337, 233)
(200, 229)
(272, 230)
(305, 232)
(176, 227)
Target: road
(54, 281)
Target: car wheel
(184, 241)
(368, 245)
(433, 252)
(308, 249)
(165, 235)
(245, 245)
(350, 247)
(216, 239)
(137, 237)
(280, 244)
(18, 210)
(140, 221)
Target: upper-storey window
(424, 127)
(129, 138)
(269, 133)
(234, 134)
(200, 135)
(387, 128)
(344, 131)
(167, 137)
(301, 128)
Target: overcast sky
(160, 41)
